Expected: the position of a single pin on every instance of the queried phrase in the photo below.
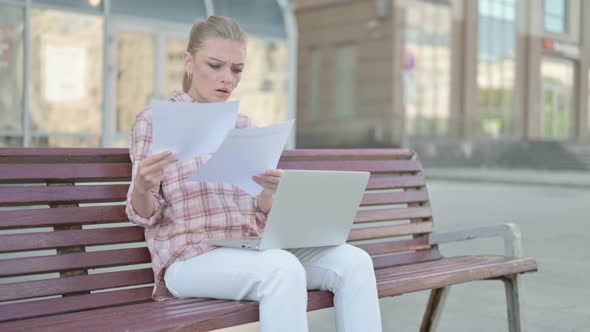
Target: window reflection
(496, 66)
(345, 80)
(135, 76)
(66, 72)
(263, 89)
(11, 71)
(314, 83)
(558, 91)
(426, 68)
(64, 141)
(555, 15)
(175, 48)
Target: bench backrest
(66, 243)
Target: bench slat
(31, 173)
(411, 269)
(37, 195)
(430, 277)
(380, 232)
(74, 303)
(396, 181)
(70, 238)
(387, 247)
(40, 195)
(394, 198)
(58, 263)
(51, 217)
(374, 166)
(60, 286)
(365, 216)
(64, 155)
(412, 257)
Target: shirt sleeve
(259, 215)
(139, 148)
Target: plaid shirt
(186, 213)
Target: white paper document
(245, 153)
(191, 129)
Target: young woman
(178, 215)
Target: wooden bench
(62, 270)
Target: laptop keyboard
(250, 241)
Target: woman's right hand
(151, 171)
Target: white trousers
(279, 280)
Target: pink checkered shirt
(186, 213)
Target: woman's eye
(214, 66)
(237, 70)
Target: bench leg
(512, 287)
(434, 309)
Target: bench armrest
(510, 233)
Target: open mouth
(224, 90)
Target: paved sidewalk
(512, 176)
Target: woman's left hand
(269, 180)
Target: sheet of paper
(245, 153)
(191, 129)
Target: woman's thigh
(227, 273)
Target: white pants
(279, 280)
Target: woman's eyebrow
(235, 64)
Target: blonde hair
(213, 27)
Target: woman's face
(216, 69)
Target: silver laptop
(310, 209)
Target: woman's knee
(357, 260)
(283, 274)
(284, 262)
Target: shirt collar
(181, 96)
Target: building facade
(75, 73)
(477, 82)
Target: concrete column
(521, 75)
(458, 31)
(532, 85)
(469, 97)
(396, 134)
(583, 102)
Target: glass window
(263, 88)
(314, 84)
(426, 69)
(345, 80)
(11, 70)
(496, 67)
(555, 15)
(66, 74)
(177, 11)
(87, 5)
(136, 63)
(7, 140)
(257, 17)
(558, 104)
(175, 49)
(46, 141)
